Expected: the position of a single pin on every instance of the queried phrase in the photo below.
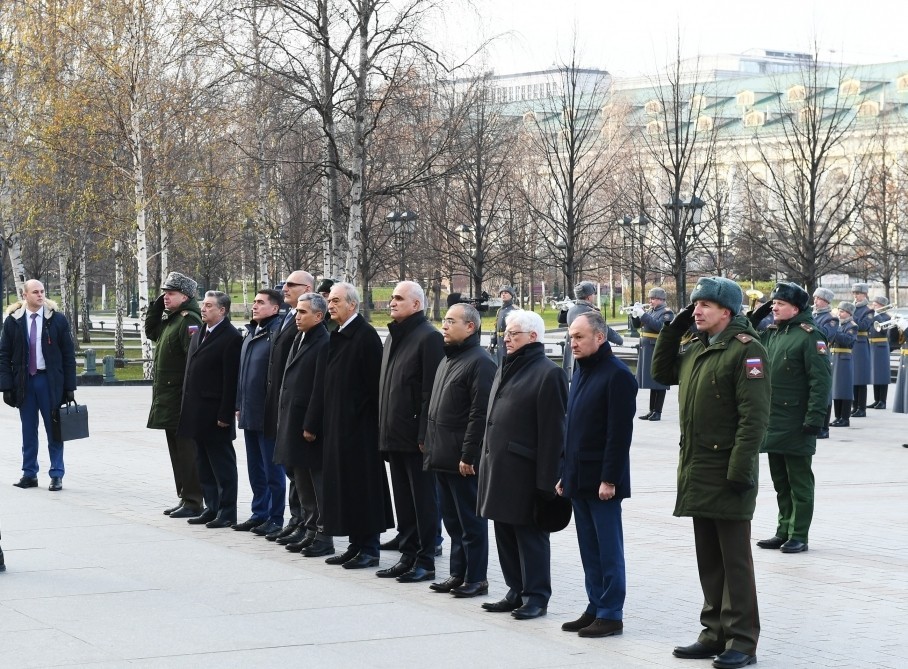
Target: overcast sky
(630, 37)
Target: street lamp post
(404, 223)
(693, 208)
(629, 229)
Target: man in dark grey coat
(496, 345)
(410, 358)
(524, 435)
(267, 479)
(457, 413)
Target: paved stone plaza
(97, 576)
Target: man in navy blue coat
(595, 471)
(37, 374)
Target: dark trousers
(416, 506)
(725, 562)
(860, 398)
(880, 392)
(656, 400)
(469, 532)
(600, 536)
(37, 400)
(524, 554)
(310, 491)
(365, 543)
(217, 472)
(293, 501)
(267, 479)
(793, 480)
(183, 461)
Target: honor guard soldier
(863, 318)
(840, 345)
(496, 347)
(828, 324)
(880, 374)
(650, 323)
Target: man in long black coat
(297, 283)
(209, 408)
(299, 422)
(524, 435)
(357, 500)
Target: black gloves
(807, 428)
(741, 487)
(9, 398)
(756, 316)
(69, 396)
(684, 319)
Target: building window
(704, 123)
(807, 115)
(655, 127)
(869, 109)
(850, 87)
(754, 118)
(745, 99)
(653, 107)
(901, 84)
(797, 93)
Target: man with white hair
(411, 355)
(524, 436)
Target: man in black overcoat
(524, 435)
(299, 422)
(357, 500)
(297, 283)
(209, 407)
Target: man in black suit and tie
(209, 402)
(299, 422)
(297, 283)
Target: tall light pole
(404, 224)
(629, 229)
(694, 209)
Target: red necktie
(33, 346)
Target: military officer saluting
(650, 323)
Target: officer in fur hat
(724, 403)
(496, 347)
(650, 323)
(863, 318)
(880, 374)
(798, 355)
(170, 323)
(841, 345)
(828, 324)
(585, 293)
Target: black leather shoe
(528, 612)
(348, 554)
(247, 525)
(205, 517)
(875, 405)
(645, 416)
(793, 546)
(471, 589)
(361, 561)
(187, 512)
(880, 405)
(263, 529)
(697, 651)
(401, 568)
(167, 512)
(2, 563)
(823, 434)
(319, 548)
(585, 620)
(732, 659)
(220, 522)
(448, 584)
(655, 416)
(289, 528)
(416, 575)
(859, 413)
(601, 627)
(502, 605)
(391, 544)
(27, 482)
(774, 543)
(295, 536)
(56, 483)
(840, 422)
(305, 542)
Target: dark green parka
(723, 405)
(171, 333)
(801, 375)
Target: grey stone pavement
(98, 577)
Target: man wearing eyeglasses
(297, 283)
(524, 435)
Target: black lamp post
(629, 229)
(694, 209)
(404, 223)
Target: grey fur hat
(584, 289)
(508, 289)
(181, 283)
(722, 291)
(882, 301)
(657, 293)
(860, 288)
(824, 294)
(847, 306)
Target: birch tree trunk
(141, 206)
(83, 302)
(119, 301)
(355, 223)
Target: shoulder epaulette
(184, 313)
(744, 338)
(807, 327)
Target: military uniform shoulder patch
(744, 338)
(822, 349)
(192, 329)
(754, 368)
(184, 313)
(807, 327)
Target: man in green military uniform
(801, 374)
(723, 406)
(170, 322)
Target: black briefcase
(70, 422)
